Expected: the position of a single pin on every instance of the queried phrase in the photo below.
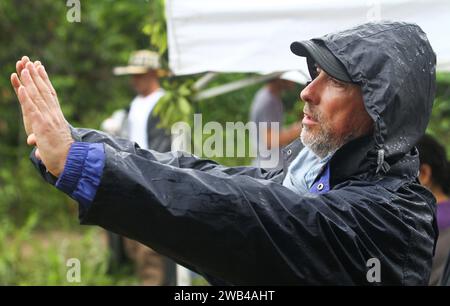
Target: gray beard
(323, 143)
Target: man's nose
(309, 93)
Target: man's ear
(425, 175)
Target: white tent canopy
(255, 35)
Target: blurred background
(39, 229)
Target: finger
(37, 64)
(30, 113)
(31, 140)
(42, 87)
(33, 92)
(15, 82)
(20, 65)
(43, 73)
(25, 59)
(26, 108)
(27, 105)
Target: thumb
(37, 154)
(31, 140)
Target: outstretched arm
(48, 130)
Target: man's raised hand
(44, 121)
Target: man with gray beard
(345, 209)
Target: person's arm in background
(286, 135)
(267, 107)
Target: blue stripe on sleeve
(82, 172)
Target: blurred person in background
(267, 108)
(435, 175)
(137, 123)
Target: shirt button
(289, 152)
(320, 186)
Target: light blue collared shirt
(303, 171)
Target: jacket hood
(395, 66)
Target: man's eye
(337, 82)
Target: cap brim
(316, 53)
(130, 70)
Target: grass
(31, 257)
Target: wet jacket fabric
(240, 226)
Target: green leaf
(184, 106)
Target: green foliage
(79, 58)
(156, 28)
(30, 257)
(439, 125)
(176, 104)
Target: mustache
(315, 116)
